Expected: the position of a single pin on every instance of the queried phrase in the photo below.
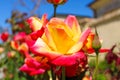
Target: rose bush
(60, 42)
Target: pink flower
(20, 36)
(19, 43)
(35, 66)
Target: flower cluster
(59, 42)
(53, 45)
(56, 44)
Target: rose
(88, 45)
(34, 65)
(56, 2)
(4, 36)
(61, 42)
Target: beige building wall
(107, 12)
(108, 27)
(109, 33)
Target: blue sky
(74, 7)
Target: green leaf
(101, 77)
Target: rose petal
(49, 40)
(79, 45)
(68, 60)
(36, 24)
(41, 48)
(36, 72)
(61, 39)
(36, 34)
(32, 63)
(26, 69)
(31, 71)
(72, 22)
(58, 23)
(19, 36)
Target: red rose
(4, 36)
(56, 2)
